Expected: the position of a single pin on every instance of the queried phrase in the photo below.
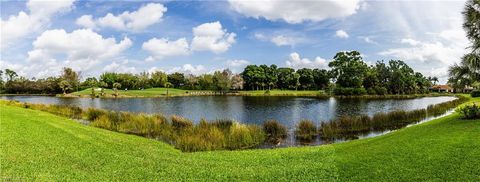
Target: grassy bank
(40, 146)
(162, 92)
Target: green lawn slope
(40, 146)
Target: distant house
(441, 88)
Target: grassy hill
(40, 146)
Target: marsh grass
(306, 131)
(354, 126)
(227, 134)
(274, 131)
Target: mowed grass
(40, 146)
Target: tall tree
(321, 78)
(306, 78)
(158, 79)
(11, 75)
(176, 79)
(72, 77)
(284, 77)
(348, 69)
(471, 16)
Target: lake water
(287, 110)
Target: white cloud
(237, 63)
(410, 41)
(341, 34)
(211, 37)
(161, 48)
(280, 39)
(368, 40)
(132, 21)
(81, 49)
(189, 69)
(296, 62)
(119, 68)
(296, 11)
(25, 23)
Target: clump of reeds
(274, 131)
(306, 131)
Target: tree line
(348, 75)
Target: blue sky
(41, 37)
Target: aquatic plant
(306, 131)
(274, 131)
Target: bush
(306, 131)
(475, 93)
(274, 131)
(381, 90)
(470, 111)
(349, 91)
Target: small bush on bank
(470, 111)
(475, 93)
(274, 131)
(306, 131)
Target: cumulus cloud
(212, 37)
(280, 39)
(296, 11)
(410, 41)
(132, 21)
(25, 23)
(81, 49)
(341, 34)
(296, 62)
(189, 69)
(161, 48)
(237, 63)
(120, 67)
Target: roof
(442, 87)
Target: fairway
(41, 146)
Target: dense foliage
(348, 75)
(470, 111)
(467, 72)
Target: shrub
(274, 131)
(381, 90)
(469, 111)
(349, 91)
(371, 91)
(475, 93)
(306, 131)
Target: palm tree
(435, 80)
(471, 16)
(167, 85)
(116, 86)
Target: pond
(254, 110)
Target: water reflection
(287, 110)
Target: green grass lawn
(40, 146)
